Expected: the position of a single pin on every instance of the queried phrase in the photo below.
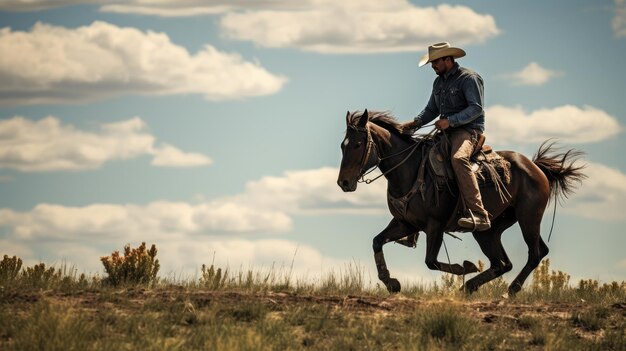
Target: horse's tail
(560, 169)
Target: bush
(9, 269)
(212, 278)
(547, 282)
(38, 276)
(137, 266)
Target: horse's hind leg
(491, 245)
(537, 248)
(394, 231)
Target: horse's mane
(383, 119)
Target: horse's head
(358, 149)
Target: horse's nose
(344, 184)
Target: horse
(376, 140)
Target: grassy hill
(44, 308)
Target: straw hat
(439, 50)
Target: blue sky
(212, 128)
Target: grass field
(43, 308)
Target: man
(457, 99)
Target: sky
(212, 128)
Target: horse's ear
(364, 118)
(348, 118)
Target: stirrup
(476, 223)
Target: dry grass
(56, 309)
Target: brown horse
(376, 140)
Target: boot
(475, 222)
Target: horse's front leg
(434, 238)
(394, 231)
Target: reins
(370, 141)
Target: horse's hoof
(514, 288)
(470, 267)
(393, 285)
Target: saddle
(481, 159)
(490, 169)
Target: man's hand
(409, 128)
(442, 124)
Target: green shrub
(546, 282)
(137, 266)
(212, 278)
(9, 269)
(38, 276)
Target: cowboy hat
(439, 50)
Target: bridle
(368, 151)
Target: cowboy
(457, 99)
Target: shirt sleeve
(429, 112)
(474, 95)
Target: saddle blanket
(486, 164)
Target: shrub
(137, 266)
(9, 269)
(545, 281)
(38, 276)
(213, 279)
(587, 286)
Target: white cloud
(188, 234)
(571, 124)
(602, 196)
(619, 19)
(173, 8)
(328, 26)
(165, 8)
(533, 75)
(325, 26)
(360, 27)
(265, 205)
(160, 219)
(243, 254)
(169, 156)
(50, 145)
(314, 191)
(182, 258)
(35, 5)
(52, 64)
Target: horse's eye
(358, 144)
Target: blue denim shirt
(458, 96)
